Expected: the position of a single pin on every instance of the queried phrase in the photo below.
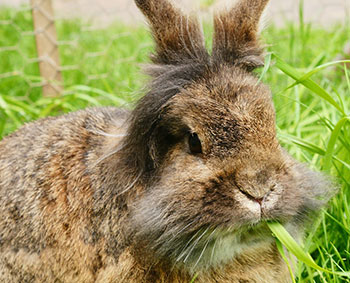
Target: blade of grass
(83, 88)
(338, 222)
(267, 65)
(287, 240)
(302, 143)
(2, 122)
(8, 111)
(314, 71)
(347, 82)
(331, 144)
(194, 278)
(308, 83)
(20, 106)
(281, 251)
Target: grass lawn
(101, 67)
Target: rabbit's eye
(194, 143)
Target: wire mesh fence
(47, 46)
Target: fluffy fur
(107, 195)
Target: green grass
(312, 100)
(96, 65)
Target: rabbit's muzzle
(256, 180)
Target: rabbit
(180, 187)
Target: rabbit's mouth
(210, 247)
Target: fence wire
(90, 48)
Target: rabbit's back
(46, 193)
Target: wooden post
(46, 45)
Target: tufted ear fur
(236, 35)
(178, 37)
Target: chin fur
(207, 247)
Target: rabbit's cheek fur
(179, 228)
(196, 219)
(299, 193)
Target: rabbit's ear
(236, 35)
(178, 38)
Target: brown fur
(235, 38)
(106, 195)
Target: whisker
(183, 251)
(205, 246)
(173, 87)
(130, 185)
(182, 229)
(98, 161)
(213, 250)
(107, 134)
(195, 244)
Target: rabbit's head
(203, 143)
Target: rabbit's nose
(252, 197)
(255, 185)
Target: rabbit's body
(47, 197)
(51, 224)
(182, 185)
